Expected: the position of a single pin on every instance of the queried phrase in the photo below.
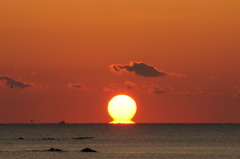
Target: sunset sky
(65, 59)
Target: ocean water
(137, 141)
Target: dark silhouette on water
(81, 138)
(48, 138)
(88, 150)
(55, 150)
(20, 138)
(62, 122)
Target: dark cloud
(139, 68)
(77, 86)
(14, 83)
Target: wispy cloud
(77, 86)
(198, 92)
(132, 86)
(155, 89)
(12, 83)
(206, 93)
(123, 87)
(160, 90)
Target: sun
(122, 109)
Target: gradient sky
(64, 60)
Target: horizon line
(54, 123)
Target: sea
(113, 141)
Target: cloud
(129, 86)
(157, 90)
(198, 92)
(132, 86)
(236, 91)
(114, 87)
(207, 93)
(12, 83)
(77, 86)
(122, 87)
(139, 68)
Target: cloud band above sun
(138, 68)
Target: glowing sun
(122, 109)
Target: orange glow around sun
(122, 109)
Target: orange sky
(57, 55)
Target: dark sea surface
(137, 141)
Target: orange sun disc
(122, 109)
